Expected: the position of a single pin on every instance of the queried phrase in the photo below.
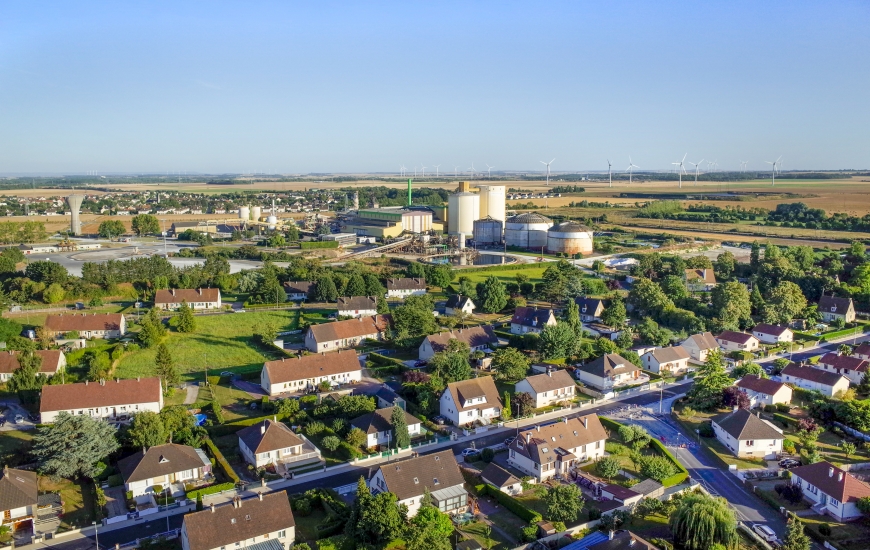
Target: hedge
(786, 419)
(232, 427)
(210, 490)
(311, 245)
(384, 361)
(221, 461)
(510, 503)
(675, 479)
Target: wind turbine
(454, 171)
(422, 171)
(630, 166)
(547, 164)
(678, 166)
(773, 170)
(402, 170)
(609, 174)
(436, 169)
(472, 170)
(489, 170)
(696, 165)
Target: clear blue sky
(365, 86)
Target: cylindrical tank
(527, 230)
(492, 203)
(569, 238)
(245, 213)
(462, 241)
(487, 231)
(256, 213)
(272, 221)
(462, 209)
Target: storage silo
(462, 209)
(487, 231)
(245, 213)
(492, 201)
(272, 221)
(527, 230)
(569, 238)
(256, 213)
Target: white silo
(245, 213)
(492, 201)
(527, 230)
(256, 213)
(462, 209)
(487, 231)
(569, 238)
(272, 221)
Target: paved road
(799, 356)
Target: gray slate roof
(410, 478)
(380, 421)
(609, 365)
(226, 524)
(159, 461)
(498, 476)
(18, 488)
(743, 425)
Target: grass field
(533, 272)
(220, 342)
(15, 446)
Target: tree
(725, 263)
(26, 380)
(650, 332)
(186, 320)
(558, 341)
(710, 380)
(111, 229)
(46, 271)
(506, 411)
(748, 369)
(266, 331)
(452, 363)
(755, 256)
(648, 297)
(863, 505)
(732, 396)
(164, 367)
(572, 318)
(795, 538)
(492, 295)
(72, 445)
(657, 467)
(146, 430)
(731, 304)
(153, 330)
(674, 287)
(510, 364)
(356, 437)
(356, 286)
(700, 521)
(145, 224)
(648, 506)
(99, 365)
(414, 317)
(785, 302)
(430, 529)
(330, 442)
(53, 294)
(608, 467)
(351, 406)
(524, 402)
(849, 448)
(324, 289)
(564, 503)
(440, 275)
(375, 519)
(400, 428)
(614, 315)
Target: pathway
(192, 394)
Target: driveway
(192, 394)
(13, 409)
(254, 390)
(115, 501)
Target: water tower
(75, 203)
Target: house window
(281, 534)
(834, 502)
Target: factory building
(528, 230)
(391, 222)
(492, 202)
(488, 231)
(344, 239)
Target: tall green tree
(558, 341)
(492, 294)
(700, 521)
(755, 256)
(145, 224)
(431, 528)
(572, 317)
(164, 367)
(648, 297)
(26, 380)
(400, 428)
(72, 446)
(356, 286)
(724, 266)
(564, 503)
(785, 302)
(375, 520)
(186, 321)
(731, 304)
(146, 430)
(440, 275)
(614, 315)
(452, 364)
(795, 538)
(153, 330)
(710, 380)
(414, 317)
(324, 289)
(510, 364)
(111, 229)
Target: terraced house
(195, 298)
(307, 372)
(346, 334)
(94, 325)
(113, 400)
(550, 451)
(404, 287)
(853, 368)
(53, 361)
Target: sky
(301, 87)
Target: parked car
(764, 532)
(470, 452)
(440, 420)
(789, 463)
(19, 418)
(421, 363)
(508, 441)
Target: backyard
(15, 446)
(78, 501)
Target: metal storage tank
(487, 231)
(527, 230)
(462, 209)
(569, 238)
(245, 213)
(272, 221)
(256, 213)
(492, 201)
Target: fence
(167, 535)
(852, 431)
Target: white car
(764, 532)
(470, 452)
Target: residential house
(404, 287)
(699, 345)
(501, 479)
(379, 429)
(747, 435)
(590, 309)
(346, 334)
(621, 495)
(467, 401)
(730, 340)
(862, 351)
(168, 467)
(19, 493)
(553, 450)
(831, 490)
(272, 442)
(853, 368)
(264, 522)
(554, 386)
(298, 290)
(607, 372)
(195, 298)
(699, 280)
(457, 303)
(808, 378)
(53, 361)
(764, 391)
(358, 306)
(386, 397)
(772, 334)
(531, 319)
(113, 400)
(674, 359)
(94, 325)
(832, 309)
(307, 372)
(410, 478)
(479, 338)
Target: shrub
(221, 461)
(783, 407)
(314, 427)
(825, 529)
(210, 490)
(788, 445)
(594, 513)
(330, 443)
(706, 430)
(487, 455)
(770, 408)
(301, 506)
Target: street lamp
(166, 503)
(96, 534)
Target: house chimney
(549, 372)
(586, 422)
(212, 507)
(831, 471)
(528, 437)
(840, 476)
(263, 428)
(734, 408)
(260, 494)
(86, 382)
(538, 428)
(610, 535)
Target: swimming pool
(200, 419)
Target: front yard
(78, 501)
(717, 449)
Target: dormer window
(436, 482)
(163, 459)
(833, 309)
(416, 481)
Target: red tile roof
(773, 330)
(311, 366)
(91, 395)
(818, 376)
(844, 362)
(189, 295)
(351, 328)
(50, 361)
(94, 321)
(732, 336)
(833, 481)
(760, 385)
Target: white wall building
(115, 400)
(307, 372)
(747, 435)
(548, 451)
(265, 519)
(468, 401)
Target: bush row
(210, 490)
(384, 361)
(785, 419)
(218, 456)
(510, 503)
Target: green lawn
(533, 499)
(712, 444)
(306, 526)
(854, 535)
(534, 273)
(15, 445)
(78, 501)
(220, 342)
(477, 531)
